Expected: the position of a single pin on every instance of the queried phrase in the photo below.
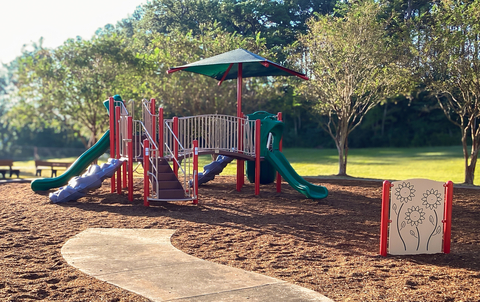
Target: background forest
(383, 74)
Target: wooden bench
(8, 163)
(42, 164)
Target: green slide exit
(82, 163)
(281, 164)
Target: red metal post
(195, 171)
(160, 132)
(111, 111)
(146, 167)
(279, 177)
(447, 221)
(257, 156)
(240, 163)
(239, 90)
(117, 145)
(175, 146)
(240, 174)
(130, 157)
(385, 217)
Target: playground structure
(416, 217)
(168, 149)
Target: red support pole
(239, 90)
(160, 132)
(175, 146)
(447, 221)
(130, 157)
(279, 177)
(146, 167)
(195, 171)
(385, 217)
(240, 163)
(117, 145)
(111, 111)
(257, 156)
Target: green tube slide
(77, 168)
(281, 164)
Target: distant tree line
(396, 73)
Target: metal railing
(214, 132)
(122, 133)
(147, 129)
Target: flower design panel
(416, 214)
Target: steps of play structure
(168, 185)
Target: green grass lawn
(436, 163)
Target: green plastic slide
(281, 164)
(76, 168)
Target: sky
(25, 21)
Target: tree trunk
(409, 10)
(342, 148)
(470, 168)
(465, 156)
(469, 174)
(473, 156)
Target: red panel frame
(447, 221)
(385, 217)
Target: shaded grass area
(436, 163)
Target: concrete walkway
(144, 261)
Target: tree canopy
(450, 67)
(64, 88)
(352, 64)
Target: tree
(64, 88)
(450, 67)
(277, 21)
(165, 16)
(353, 67)
(185, 93)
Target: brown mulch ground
(330, 246)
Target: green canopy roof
(225, 66)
